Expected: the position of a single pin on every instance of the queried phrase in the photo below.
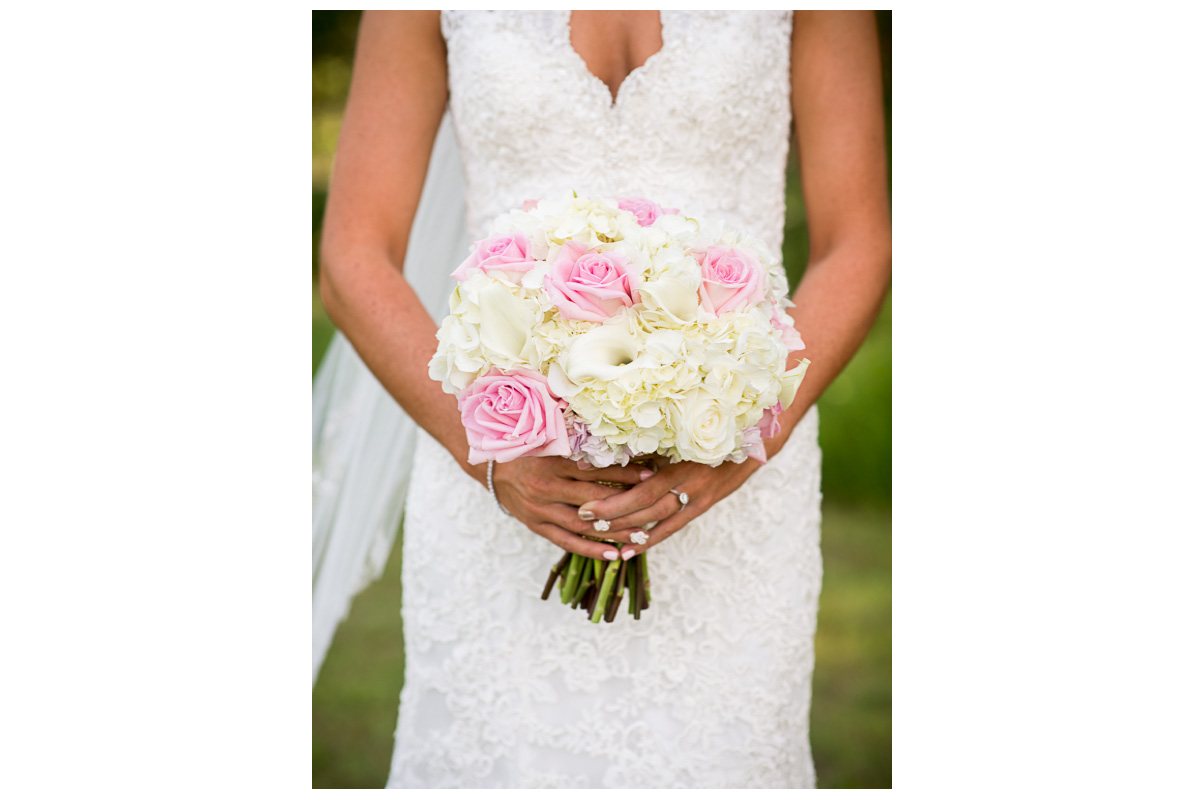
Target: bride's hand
(652, 501)
(545, 493)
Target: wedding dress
(711, 687)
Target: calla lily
(560, 384)
(791, 382)
(604, 354)
(676, 297)
(505, 322)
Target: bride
(711, 687)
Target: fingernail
(587, 516)
(645, 474)
(628, 554)
(611, 555)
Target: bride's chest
(516, 77)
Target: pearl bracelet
(492, 488)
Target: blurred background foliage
(355, 699)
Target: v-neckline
(613, 100)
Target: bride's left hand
(652, 500)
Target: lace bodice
(711, 688)
(701, 126)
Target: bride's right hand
(545, 492)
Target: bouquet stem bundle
(600, 586)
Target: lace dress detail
(711, 687)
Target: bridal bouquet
(612, 330)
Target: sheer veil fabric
(363, 442)
(711, 687)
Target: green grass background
(355, 700)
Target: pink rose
(645, 210)
(505, 251)
(791, 338)
(590, 285)
(731, 279)
(530, 205)
(512, 415)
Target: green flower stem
(645, 580)
(592, 597)
(583, 587)
(573, 574)
(594, 569)
(610, 577)
(631, 584)
(555, 571)
(639, 587)
(615, 603)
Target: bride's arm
(837, 102)
(397, 97)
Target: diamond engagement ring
(639, 537)
(683, 498)
(600, 525)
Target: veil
(363, 442)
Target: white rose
(704, 429)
